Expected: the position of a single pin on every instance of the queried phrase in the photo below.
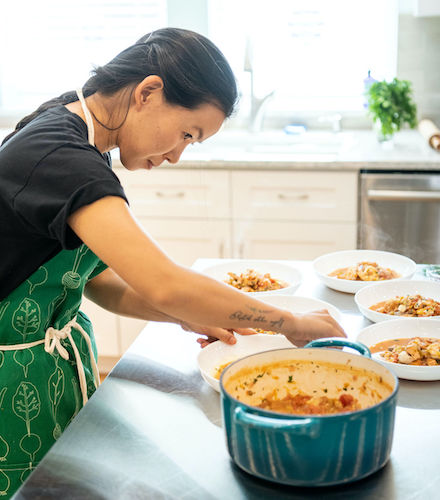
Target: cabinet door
(105, 327)
(129, 329)
(177, 193)
(187, 240)
(295, 196)
(291, 240)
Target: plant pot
(387, 139)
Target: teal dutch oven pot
(310, 450)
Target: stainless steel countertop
(153, 430)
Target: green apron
(47, 361)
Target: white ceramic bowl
(277, 270)
(386, 290)
(219, 353)
(330, 262)
(399, 329)
(297, 304)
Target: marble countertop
(154, 430)
(319, 150)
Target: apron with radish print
(47, 361)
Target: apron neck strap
(89, 120)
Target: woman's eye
(187, 136)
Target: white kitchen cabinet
(177, 193)
(106, 330)
(129, 329)
(291, 240)
(293, 215)
(299, 196)
(186, 211)
(186, 240)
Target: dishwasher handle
(401, 195)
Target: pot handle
(305, 426)
(331, 342)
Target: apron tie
(52, 342)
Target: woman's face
(155, 131)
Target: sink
(241, 144)
(296, 148)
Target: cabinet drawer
(300, 196)
(291, 240)
(187, 240)
(177, 193)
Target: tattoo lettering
(259, 318)
(241, 316)
(277, 324)
(260, 311)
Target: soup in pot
(307, 387)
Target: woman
(66, 229)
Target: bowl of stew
(259, 277)
(411, 349)
(351, 270)
(408, 299)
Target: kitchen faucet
(258, 105)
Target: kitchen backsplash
(419, 61)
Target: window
(50, 46)
(314, 53)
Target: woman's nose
(174, 155)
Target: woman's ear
(150, 85)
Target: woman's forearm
(110, 292)
(223, 305)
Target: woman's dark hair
(193, 70)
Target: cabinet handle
(161, 194)
(283, 196)
(396, 195)
(221, 250)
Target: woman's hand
(314, 325)
(212, 333)
(310, 326)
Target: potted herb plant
(391, 105)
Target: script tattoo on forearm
(257, 316)
(242, 316)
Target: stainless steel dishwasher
(399, 212)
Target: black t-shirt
(48, 170)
